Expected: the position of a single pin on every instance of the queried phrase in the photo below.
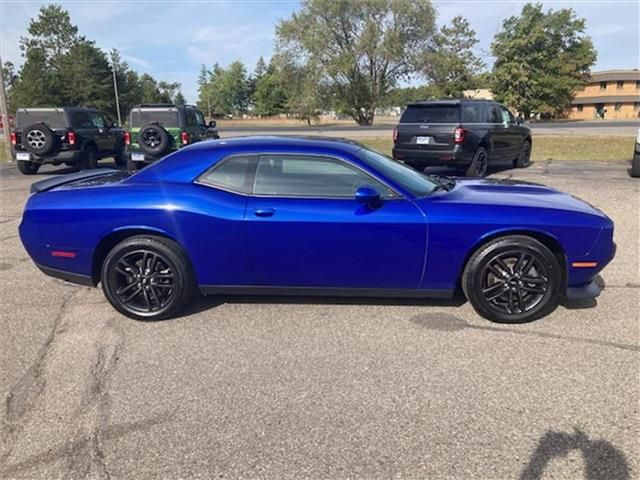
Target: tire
(635, 165)
(479, 164)
(415, 166)
(28, 168)
(120, 157)
(524, 157)
(153, 298)
(513, 279)
(154, 139)
(40, 140)
(89, 158)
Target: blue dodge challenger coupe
(293, 215)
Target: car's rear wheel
(148, 278)
(513, 279)
(479, 164)
(89, 158)
(524, 157)
(28, 168)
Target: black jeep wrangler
(158, 129)
(75, 136)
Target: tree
(179, 99)
(235, 88)
(451, 64)
(541, 60)
(269, 97)
(52, 33)
(361, 48)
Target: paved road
(617, 128)
(249, 388)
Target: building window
(580, 108)
(603, 85)
(637, 84)
(636, 106)
(620, 84)
(618, 107)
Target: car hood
(514, 193)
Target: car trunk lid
(428, 127)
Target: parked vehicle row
(80, 136)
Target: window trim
(395, 194)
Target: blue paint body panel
(408, 243)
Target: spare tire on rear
(154, 139)
(39, 139)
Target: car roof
(189, 162)
(56, 109)
(448, 101)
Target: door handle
(264, 212)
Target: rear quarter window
(431, 114)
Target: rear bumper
(63, 156)
(455, 157)
(138, 156)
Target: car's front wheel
(148, 278)
(513, 279)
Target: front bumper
(588, 290)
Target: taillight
(185, 138)
(71, 138)
(14, 138)
(458, 135)
(395, 135)
(127, 138)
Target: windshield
(166, 118)
(431, 114)
(53, 118)
(411, 180)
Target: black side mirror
(212, 124)
(519, 120)
(368, 196)
(114, 125)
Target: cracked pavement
(322, 388)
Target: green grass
(555, 147)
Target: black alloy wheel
(479, 164)
(147, 278)
(524, 157)
(513, 279)
(154, 139)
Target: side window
(199, 117)
(190, 117)
(310, 176)
(495, 115)
(507, 117)
(230, 174)
(472, 113)
(97, 120)
(80, 119)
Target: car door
(102, 136)
(512, 134)
(305, 229)
(498, 134)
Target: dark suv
(465, 134)
(75, 136)
(157, 130)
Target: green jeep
(159, 129)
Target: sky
(172, 39)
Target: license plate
(423, 140)
(137, 157)
(23, 156)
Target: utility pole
(4, 113)
(115, 89)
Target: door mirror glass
(212, 124)
(369, 196)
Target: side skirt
(324, 292)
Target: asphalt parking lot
(322, 388)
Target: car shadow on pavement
(602, 461)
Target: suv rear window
(53, 118)
(431, 114)
(166, 118)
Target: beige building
(611, 94)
